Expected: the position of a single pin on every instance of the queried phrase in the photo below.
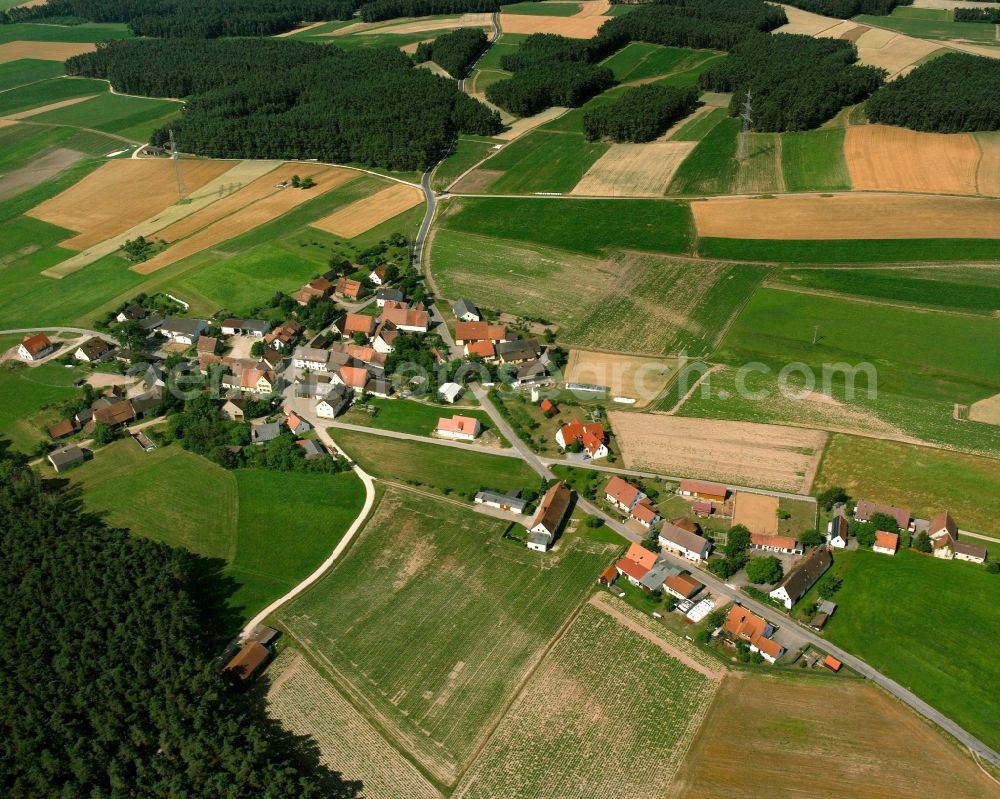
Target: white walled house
(684, 543)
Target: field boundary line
(903, 306)
(680, 403)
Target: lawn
(24, 392)
(132, 117)
(636, 303)
(976, 290)
(591, 227)
(251, 520)
(845, 251)
(923, 479)
(813, 160)
(431, 466)
(409, 416)
(467, 153)
(27, 70)
(567, 735)
(48, 91)
(543, 161)
(432, 620)
(904, 616)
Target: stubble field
(363, 215)
(641, 379)
(636, 170)
(44, 51)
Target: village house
(530, 373)
(377, 275)
(319, 288)
(272, 359)
(207, 345)
(510, 501)
(351, 289)
(886, 543)
(333, 402)
(742, 625)
(783, 544)
(311, 358)
(265, 432)
(943, 533)
(471, 332)
(93, 350)
(590, 436)
(622, 494)
(314, 386)
(409, 320)
(256, 381)
(355, 323)
(384, 295)
(256, 328)
(385, 336)
(296, 423)
(645, 513)
(481, 349)
(682, 586)
(636, 563)
(552, 510)
(66, 457)
(683, 542)
(837, 532)
(712, 492)
(182, 331)
(800, 579)
(864, 510)
(283, 336)
(131, 313)
(232, 409)
(466, 311)
(379, 387)
(312, 449)
(115, 413)
(34, 348)
(450, 392)
(355, 377)
(519, 351)
(458, 428)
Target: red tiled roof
(644, 511)
(590, 435)
(609, 575)
(621, 491)
(683, 584)
(943, 521)
(548, 405)
(699, 487)
(886, 540)
(745, 625)
(781, 541)
(406, 317)
(484, 349)
(458, 424)
(832, 663)
(36, 343)
(641, 555)
(354, 376)
(60, 429)
(480, 331)
(349, 288)
(358, 323)
(631, 568)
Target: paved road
(80, 331)
(718, 587)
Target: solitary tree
(922, 542)
(764, 570)
(131, 335)
(832, 496)
(829, 585)
(258, 348)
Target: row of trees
(640, 114)
(455, 52)
(252, 98)
(193, 18)
(991, 15)
(378, 10)
(845, 9)
(797, 82)
(108, 680)
(536, 88)
(954, 93)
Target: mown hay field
(848, 217)
(573, 733)
(542, 162)
(757, 455)
(307, 704)
(432, 620)
(823, 738)
(634, 170)
(363, 215)
(133, 118)
(631, 303)
(813, 160)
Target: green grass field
(543, 161)
(844, 251)
(24, 391)
(506, 46)
(592, 227)
(134, 118)
(431, 466)
(711, 167)
(41, 32)
(920, 478)
(814, 160)
(252, 520)
(27, 70)
(596, 663)
(932, 23)
(698, 129)
(45, 92)
(467, 153)
(927, 624)
(976, 290)
(409, 416)
(444, 618)
(542, 9)
(639, 60)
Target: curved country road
(80, 331)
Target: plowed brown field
(362, 215)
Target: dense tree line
(951, 94)
(194, 18)
(106, 672)
(541, 48)
(991, 15)
(640, 114)
(455, 52)
(259, 99)
(797, 82)
(536, 88)
(845, 9)
(379, 10)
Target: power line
(743, 145)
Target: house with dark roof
(333, 401)
(683, 542)
(466, 311)
(66, 457)
(256, 328)
(800, 579)
(388, 294)
(312, 449)
(262, 433)
(131, 313)
(837, 531)
(552, 511)
(864, 510)
(182, 331)
(61, 429)
(511, 501)
(943, 533)
(247, 662)
(518, 351)
(92, 350)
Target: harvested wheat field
(845, 216)
(844, 30)
(805, 22)
(894, 54)
(641, 379)
(988, 176)
(635, 170)
(582, 25)
(43, 51)
(524, 124)
(757, 512)
(821, 739)
(887, 158)
(743, 453)
(986, 411)
(306, 704)
(361, 215)
(121, 194)
(463, 21)
(247, 218)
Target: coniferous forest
(455, 51)
(107, 676)
(845, 9)
(277, 99)
(640, 114)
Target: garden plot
(848, 217)
(636, 170)
(609, 712)
(432, 622)
(362, 215)
(306, 704)
(885, 158)
(759, 455)
(43, 51)
(640, 379)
